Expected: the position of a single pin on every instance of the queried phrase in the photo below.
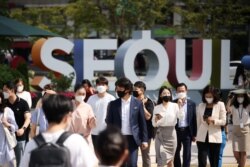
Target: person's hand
(157, 117)
(210, 120)
(20, 132)
(5, 122)
(92, 122)
(193, 139)
(144, 146)
(180, 102)
(144, 100)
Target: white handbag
(10, 136)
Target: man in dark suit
(127, 113)
(186, 126)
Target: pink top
(83, 120)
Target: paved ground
(228, 158)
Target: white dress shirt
(183, 122)
(126, 128)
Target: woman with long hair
(7, 119)
(164, 119)
(240, 79)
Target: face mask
(101, 89)
(166, 98)
(181, 95)
(121, 94)
(6, 95)
(135, 93)
(240, 99)
(19, 89)
(79, 98)
(209, 100)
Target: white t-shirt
(80, 152)
(25, 96)
(99, 106)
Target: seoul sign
(210, 62)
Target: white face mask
(181, 95)
(20, 88)
(240, 99)
(101, 89)
(6, 95)
(209, 100)
(79, 98)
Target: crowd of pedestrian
(99, 129)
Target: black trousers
(210, 150)
(184, 140)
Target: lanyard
(240, 113)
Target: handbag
(10, 136)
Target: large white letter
(90, 65)
(157, 56)
(225, 81)
(194, 82)
(55, 64)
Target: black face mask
(135, 93)
(166, 98)
(121, 94)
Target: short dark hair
(19, 80)
(48, 87)
(140, 84)
(86, 81)
(125, 83)
(180, 85)
(10, 85)
(55, 107)
(210, 89)
(77, 87)
(159, 101)
(102, 80)
(110, 145)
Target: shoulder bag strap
(63, 137)
(39, 140)
(38, 116)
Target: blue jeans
(19, 149)
(223, 144)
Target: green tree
(79, 18)
(114, 17)
(9, 74)
(62, 83)
(212, 18)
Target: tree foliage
(212, 18)
(9, 74)
(80, 18)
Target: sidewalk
(228, 158)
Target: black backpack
(50, 154)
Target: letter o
(158, 62)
